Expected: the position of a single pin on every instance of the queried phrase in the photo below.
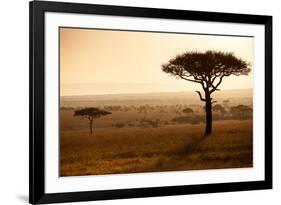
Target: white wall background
(14, 100)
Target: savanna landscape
(135, 102)
(146, 133)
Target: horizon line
(146, 93)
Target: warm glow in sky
(108, 62)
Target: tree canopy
(241, 109)
(92, 112)
(207, 68)
(219, 108)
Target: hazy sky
(109, 62)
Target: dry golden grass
(166, 148)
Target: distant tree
(207, 69)
(241, 111)
(240, 108)
(91, 113)
(187, 110)
(219, 108)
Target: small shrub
(187, 110)
(120, 125)
(149, 123)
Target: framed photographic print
(141, 102)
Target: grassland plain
(172, 147)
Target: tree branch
(203, 86)
(201, 98)
(195, 81)
(217, 85)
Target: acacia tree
(241, 111)
(91, 113)
(207, 69)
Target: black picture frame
(37, 194)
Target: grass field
(172, 147)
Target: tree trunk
(91, 126)
(208, 105)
